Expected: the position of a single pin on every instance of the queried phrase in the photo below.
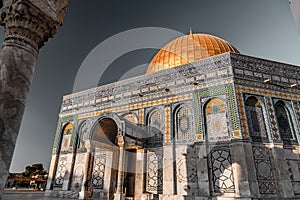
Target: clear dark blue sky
(258, 28)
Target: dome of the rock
(187, 49)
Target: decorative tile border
(167, 124)
(138, 105)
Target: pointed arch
(284, 122)
(255, 119)
(155, 119)
(131, 117)
(183, 123)
(66, 137)
(82, 135)
(216, 120)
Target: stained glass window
(255, 119)
(284, 122)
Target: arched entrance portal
(104, 159)
(105, 132)
(113, 159)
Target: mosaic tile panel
(242, 112)
(297, 110)
(67, 135)
(233, 109)
(198, 117)
(60, 172)
(267, 90)
(216, 120)
(184, 124)
(232, 104)
(154, 177)
(98, 171)
(141, 116)
(221, 170)
(168, 135)
(150, 103)
(264, 171)
(270, 110)
(58, 134)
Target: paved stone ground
(27, 196)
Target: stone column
(243, 167)
(169, 161)
(28, 24)
(51, 174)
(83, 192)
(120, 182)
(140, 173)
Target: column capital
(30, 23)
(120, 141)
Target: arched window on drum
(255, 119)
(216, 121)
(184, 124)
(285, 123)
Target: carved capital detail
(26, 25)
(120, 141)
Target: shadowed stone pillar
(120, 182)
(84, 192)
(28, 24)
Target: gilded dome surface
(187, 49)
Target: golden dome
(188, 48)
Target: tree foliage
(33, 170)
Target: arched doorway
(105, 131)
(104, 159)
